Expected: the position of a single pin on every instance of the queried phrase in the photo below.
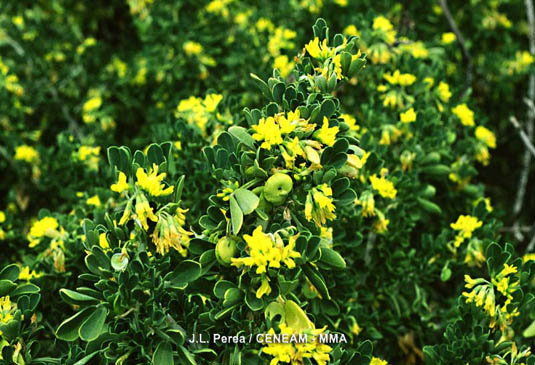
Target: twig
(523, 135)
(527, 137)
(467, 59)
(531, 244)
(73, 126)
(520, 228)
(13, 43)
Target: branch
(527, 137)
(531, 245)
(467, 59)
(73, 125)
(523, 135)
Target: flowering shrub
(179, 171)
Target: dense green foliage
(187, 168)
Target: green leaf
(243, 136)
(317, 280)
(530, 331)
(184, 273)
(27, 288)
(277, 92)
(247, 200)
(179, 186)
(10, 272)
(163, 354)
(296, 318)
(261, 85)
(231, 297)
(68, 329)
(84, 360)
(253, 302)
(188, 355)
(445, 274)
(119, 261)
(236, 215)
(332, 258)
(75, 298)
(274, 309)
(155, 154)
(6, 286)
(92, 326)
(114, 157)
(221, 287)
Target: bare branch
(467, 59)
(531, 245)
(520, 228)
(523, 135)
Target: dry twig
(467, 59)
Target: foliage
(187, 168)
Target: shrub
(255, 190)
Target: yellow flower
(2, 217)
(46, 227)
(103, 242)
(384, 187)
(470, 283)
(482, 154)
(211, 101)
(378, 361)
(381, 224)
(6, 309)
(90, 155)
(144, 211)
(464, 114)
(295, 353)
(326, 134)
(486, 136)
(264, 289)
(408, 117)
(508, 269)
(94, 200)
(170, 233)
(367, 202)
(350, 121)
(284, 65)
(92, 104)
(263, 24)
(319, 51)
(466, 225)
(448, 37)
(192, 48)
(398, 78)
(356, 329)
(444, 92)
(267, 250)
(268, 131)
(416, 49)
(26, 274)
(379, 53)
(121, 184)
(26, 153)
(383, 25)
(151, 182)
(528, 257)
(319, 205)
(352, 30)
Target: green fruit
(429, 191)
(436, 170)
(225, 249)
(429, 206)
(332, 258)
(277, 188)
(263, 204)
